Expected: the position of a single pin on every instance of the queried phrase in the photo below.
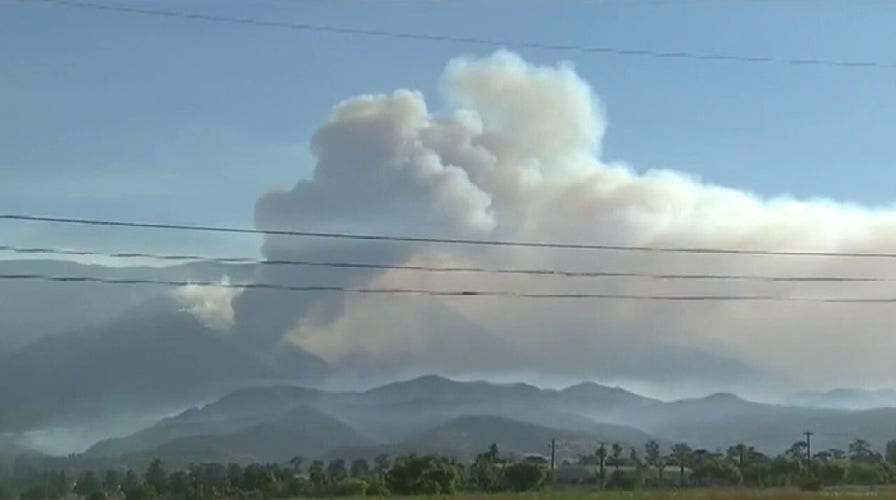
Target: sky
(161, 119)
(185, 121)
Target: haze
(297, 132)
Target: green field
(708, 494)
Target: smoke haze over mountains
(513, 152)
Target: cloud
(516, 154)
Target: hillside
(77, 306)
(301, 431)
(436, 414)
(589, 395)
(467, 436)
(236, 411)
(410, 415)
(773, 428)
(149, 358)
(846, 399)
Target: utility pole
(602, 455)
(553, 454)
(808, 435)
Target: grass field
(701, 494)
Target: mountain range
(436, 414)
(846, 399)
(129, 349)
(109, 351)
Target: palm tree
(682, 454)
(740, 454)
(653, 458)
(617, 455)
(601, 454)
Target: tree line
(404, 475)
(613, 467)
(741, 465)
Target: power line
(343, 30)
(447, 293)
(838, 434)
(422, 239)
(440, 269)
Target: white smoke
(211, 304)
(517, 156)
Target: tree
(130, 482)
(865, 473)
(740, 454)
(57, 484)
(890, 451)
(359, 468)
(34, 493)
(756, 473)
(715, 472)
(112, 482)
(681, 452)
(525, 476)
(316, 476)
(785, 468)
(297, 486)
(336, 471)
(653, 458)
(484, 473)
(381, 464)
(376, 486)
(797, 451)
(143, 491)
(257, 477)
(156, 477)
(234, 477)
(179, 484)
(619, 480)
(424, 475)
(617, 455)
(830, 473)
(601, 454)
(87, 484)
(860, 451)
(210, 479)
(350, 487)
(134, 488)
(296, 463)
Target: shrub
(619, 480)
(811, 484)
(350, 487)
(525, 476)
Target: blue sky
(153, 118)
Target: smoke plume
(213, 305)
(516, 155)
